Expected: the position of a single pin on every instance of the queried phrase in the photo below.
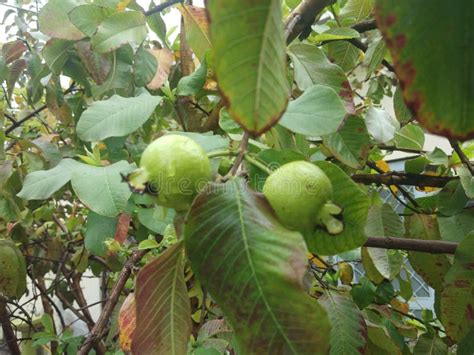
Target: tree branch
(365, 26)
(100, 328)
(8, 331)
(303, 16)
(462, 155)
(424, 246)
(395, 178)
(162, 7)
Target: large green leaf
(383, 221)
(437, 84)
(319, 111)
(343, 54)
(467, 181)
(357, 10)
(253, 268)
(101, 189)
(348, 330)
(162, 304)
(250, 60)
(98, 230)
(312, 67)
(430, 344)
(354, 203)
(115, 117)
(429, 266)
(456, 227)
(54, 19)
(197, 29)
(40, 185)
(457, 298)
(156, 219)
(55, 54)
(88, 17)
(351, 143)
(128, 27)
(381, 125)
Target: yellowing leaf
(165, 58)
(197, 29)
(122, 5)
(127, 322)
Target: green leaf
(354, 203)
(374, 56)
(344, 54)
(401, 110)
(208, 141)
(452, 199)
(337, 33)
(457, 298)
(312, 67)
(55, 54)
(255, 273)
(251, 73)
(115, 117)
(348, 330)
(443, 103)
(455, 228)
(351, 144)
(101, 189)
(319, 111)
(156, 219)
(128, 27)
(162, 304)
(54, 20)
(197, 29)
(88, 17)
(119, 74)
(148, 244)
(410, 136)
(467, 181)
(438, 157)
(98, 230)
(357, 10)
(40, 185)
(383, 221)
(430, 344)
(192, 84)
(226, 123)
(429, 266)
(380, 125)
(380, 342)
(144, 67)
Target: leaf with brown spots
(12, 51)
(432, 268)
(433, 62)
(348, 328)
(127, 322)
(250, 60)
(164, 58)
(457, 299)
(197, 29)
(162, 306)
(253, 268)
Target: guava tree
(223, 182)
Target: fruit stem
(257, 164)
(326, 218)
(222, 153)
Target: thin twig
(240, 157)
(99, 330)
(162, 7)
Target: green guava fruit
(174, 168)
(300, 193)
(12, 270)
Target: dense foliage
(244, 88)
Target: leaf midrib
(252, 268)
